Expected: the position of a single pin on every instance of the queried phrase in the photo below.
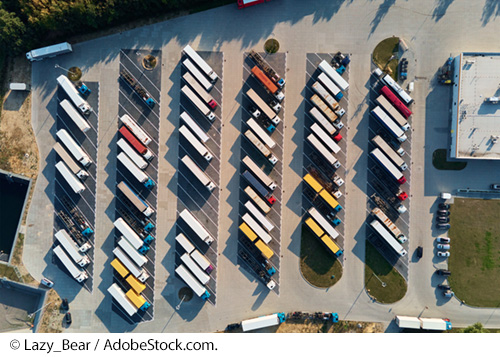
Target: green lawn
(440, 163)
(395, 287)
(475, 251)
(383, 52)
(317, 265)
(8, 272)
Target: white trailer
(75, 116)
(73, 94)
(396, 232)
(259, 173)
(388, 165)
(334, 76)
(202, 149)
(200, 62)
(261, 147)
(140, 204)
(318, 217)
(129, 233)
(70, 178)
(382, 145)
(264, 108)
(195, 269)
(257, 200)
(196, 226)
(135, 171)
(202, 261)
(207, 98)
(397, 88)
(393, 112)
(135, 129)
(185, 243)
(263, 321)
(49, 51)
(198, 103)
(136, 271)
(72, 249)
(327, 97)
(197, 74)
(132, 154)
(323, 150)
(384, 233)
(133, 254)
(332, 87)
(118, 294)
(408, 322)
(259, 216)
(77, 273)
(435, 324)
(389, 124)
(257, 129)
(200, 175)
(68, 160)
(327, 140)
(320, 118)
(194, 127)
(192, 282)
(257, 228)
(74, 148)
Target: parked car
(441, 219)
(67, 318)
(443, 272)
(444, 206)
(495, 186)
(48, 283)
(448, 293)
(420, 252)
(443, 240)
(443, 226)
(444, 286)
(443, 254)
(65, 304)
(443, 212)
(444, 246)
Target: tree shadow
(440, 9)
(382, 10)
(491, 10)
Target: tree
(476, 328)
(11, 31)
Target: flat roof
(475, 132)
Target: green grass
(475, 251)
(395, 287)
(8, 272)
(383, 52)
(271, 46)
(440, 163)
(317, 265)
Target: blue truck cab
(271, 271)
(281, 82)
(341, 70)
(150, 102)
(205, 296)
(146, 306)
(149, 239)
(149, 184)
(281, 316)
(84, 90)
(144, 249)
(149, 227)
(335, 317)
(87, 232)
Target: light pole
(381, 282)
(65, 69)
(43, 307)
(178, 307)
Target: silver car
(443, 254)
(443, 246)
(443, 240)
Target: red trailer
(246, 3)
(137, 145)
(399, 105)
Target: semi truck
(202, 261)
(327, 154)
(315, 179)
(132, 237)
(267, 69)
(257, 228)
(73, 94)
(138, 300)
(262, 270)
(266, 252)
(263, 107)
(322, 221)
(257, 129)
(72, 249)
(395, 115)
(394, 100)
(334, 76)
(322, 192)
(267, 83)
(70, 163)
(134, 198)
(377, 212)
(136, 144)
(202, 277)
(266, 223)
(49, 51)
(384, 233)
(261, 147)
(423, 323)
(195, 57)
(73, 148)
(394, 202)
(137, 87)
(194, 127)
(77, 273)
(382, 145)
(325, 109)
(132, 154)
(198, 103)
(387, 79)
(117, 293)
(207, 98)
(257, 200)
(327, 241)
(80, 122)
(192, 282)
(135, 129)
(198, 146)
(196, 226)
(389, 124)
(264, 192)
(135, 270)
(133, 254)
(200, 77)
(329, 99)
(70, 178)
(332, 87)
(263, 321)
(185, 243)
(198, 173)
(327, 140)
(330, 129)
(135, 171)
(388, 166)
(257, 171)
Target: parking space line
(76, 207)
(150, 191)
(216, 198)
(138, 110)
(209, 162)
(210, 248)
(199, 207)
(211, 122)
(142, 72)
(66, 192)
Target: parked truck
(77, 273)
(327, 241)
(257, 129)
(194, 127)
(136, 144)
(132, 253)
(257, 200)
(388, 166)
(327, 154)
(202, 277)
(398, 206)
(334, 75)
(387, 237)
(257, 228)
(198, 103)
(389, 124)
(134, 198)
(207, 98)
(136, 129)
(325, 109)
(377, 212)
(269, 85)
(73, 94)
(267, 69)
(332, 87)
(325, 138)
(188, 50)
(327, 97)
(260, 270)
(202, 261)
(322, 192)
(138, 300)
(135, 270)
(393, 112)
(330, 129)
(132, 154)
(423, 323)
(135, 171)
(195, 143)
(139, 89)
(257, 171)
(259, 187)
(70, 163)
(261, 147)
(132, 237)
(396, 158)
(49, 51)
(323, 222)
(200, 77)
(198, 173)
(196, 226)
(117, 293)
(262, 219)
(75, 116)
(74, 148)
(75, 252)
(263, 321)
(192, 282)
(263, 107)
(70, 178)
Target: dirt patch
(328, 327)
(53, 315)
